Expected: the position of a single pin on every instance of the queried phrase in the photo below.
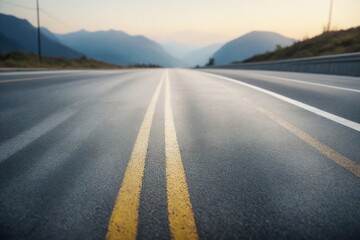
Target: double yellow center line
(124, 219)
(181, 217)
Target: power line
(18, 5)
(35, 9)
(53, 17)
(38, 10)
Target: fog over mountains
(120, 48)
(201, 56)
(190, 55)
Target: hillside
(8, 45)
(118, 47)
(249, 45)
(30, 60)
(19, 35)
(328, 43)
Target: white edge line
(15, 144)
(19, 73)
(332, 117)
(302, 82)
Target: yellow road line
(180, 213)
(124, 219)
(338, 158)
(36, 78)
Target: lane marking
(124, 219)
(17, 143)
(330, 153)
(39, 72)
(71, 74)
(301, 82)
(327, 115)
(37, 78)
(63, 150)
(181, 217)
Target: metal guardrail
(342, 64)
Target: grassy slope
(29, 60)
(328, 43)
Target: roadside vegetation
(30, 60)
(328, 43)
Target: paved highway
(182, 154)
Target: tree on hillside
(211, 62)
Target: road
(182, 154)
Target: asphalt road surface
(182, 154)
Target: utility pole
(38, 30)
(330, 16)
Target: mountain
(20, 35)
(8, 45)
(249, 45)
(118, 47)
(327, 43)
(200, 56)
(49, 35)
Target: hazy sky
(195, 21)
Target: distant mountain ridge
(248, 45)
(111, 46)
(118, 47)
(19, 35)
